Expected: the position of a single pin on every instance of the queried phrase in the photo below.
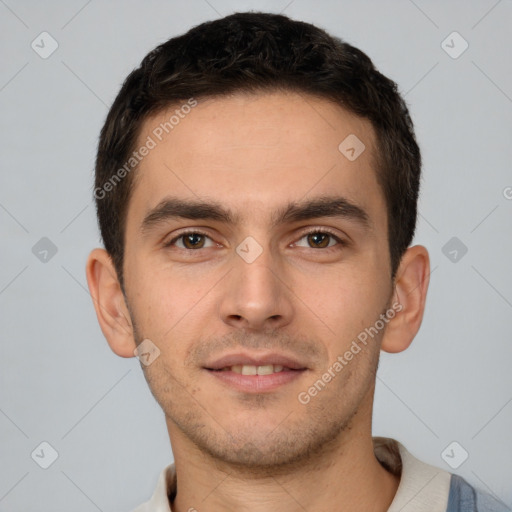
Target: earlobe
(109, 303)
(411, 285)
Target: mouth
(250, 369)
(255, 374)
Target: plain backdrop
(59, 381)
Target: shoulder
(426, 488)
(164, 491)
(463, 497)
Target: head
(292, 164)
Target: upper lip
(246, 358)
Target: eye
(315, 239)
(190, 240)
(321, 239)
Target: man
(256, 189)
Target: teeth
(265, 370)
(247, 369)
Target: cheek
(156, 283)
(170, 307)
(350, 307)
(344, 300)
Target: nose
(256, 295)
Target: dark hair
(252, 52)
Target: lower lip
(256, 383)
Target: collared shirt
(422, 488)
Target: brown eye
(190, 240)
(320, 239)
(193, 240)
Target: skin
(244, 451)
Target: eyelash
(341, 242)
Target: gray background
(60, 382)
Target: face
(255, 254)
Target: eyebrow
(327, 206)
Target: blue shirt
(465, 498)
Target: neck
(346, 475)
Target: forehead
(255, 153)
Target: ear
(109, 303)
(411, 285)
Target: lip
(293, 370)
(255, 383)
(262, 359)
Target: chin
(259, 454)
(266, 450)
